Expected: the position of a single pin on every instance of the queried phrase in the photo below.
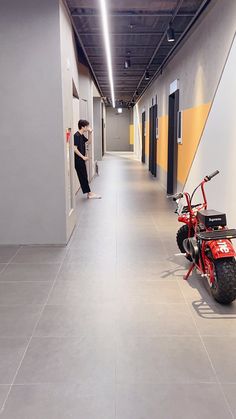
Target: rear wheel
(224, 286)
(181, 235)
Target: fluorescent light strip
(108, 48)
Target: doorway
(153, 140)
(143, 137)
(172, 143)
(84, 115)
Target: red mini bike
(206, 242)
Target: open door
(143, 137)
(172, 143)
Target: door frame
(153, 140)
(172, 163)
(143, 137)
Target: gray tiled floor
(106, 328)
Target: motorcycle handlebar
(209, 177)
(177, 196)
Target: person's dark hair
(82, 123)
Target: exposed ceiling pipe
(166, 60)
(132, 14)
(83, 48)
(179, 4)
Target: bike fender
(221, 248)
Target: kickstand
(189, 272)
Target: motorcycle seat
(211, 218)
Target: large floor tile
(99, 244)
(78, 320)
(30, 272)
(212, 319)
(82, 291)
(222, 351)
(3, 394)
(18, 321)
(50, 401)
(230, 391)
(101, 255)
(98, 236)
(163, 359)
(68, 360)
(149, 291)
(2, 266)
(11, 352)
(7, 253)
(40, 254)
(196, 289)
(170, 401)
(87, 271)
(24, 293)
(160, 269)
(151, 320)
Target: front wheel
(224, 286)
(181, 235)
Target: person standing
(80, 157)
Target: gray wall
(97, 125)
(117, 130)
(32, 161)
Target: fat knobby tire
(181, 235)
(224, 287)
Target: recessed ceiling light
(147, 76)
(170, 34)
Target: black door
(172, 143)
(103, 147)
(153, 140)
(150, 139)
(143, 137)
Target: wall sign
(174, 86)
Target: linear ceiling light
(108, 48)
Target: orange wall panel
(193, 123)
(162, 143)
(147, 140)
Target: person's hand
(90, 130)
(85, 158)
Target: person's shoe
(93, 196)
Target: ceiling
(138, 32)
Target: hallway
(106, 328)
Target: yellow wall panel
(192, 126)
(147, 140)
(162, 143)
(131, 134)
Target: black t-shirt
(79, 141)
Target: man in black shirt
(81, 158)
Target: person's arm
(80, 154)
(90, 132)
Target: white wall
(117, 130)
(217, 149)
(197, 65)
(32, 148)
(69, 74)
(97, 125)
(86, 108)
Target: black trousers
(81, 170)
